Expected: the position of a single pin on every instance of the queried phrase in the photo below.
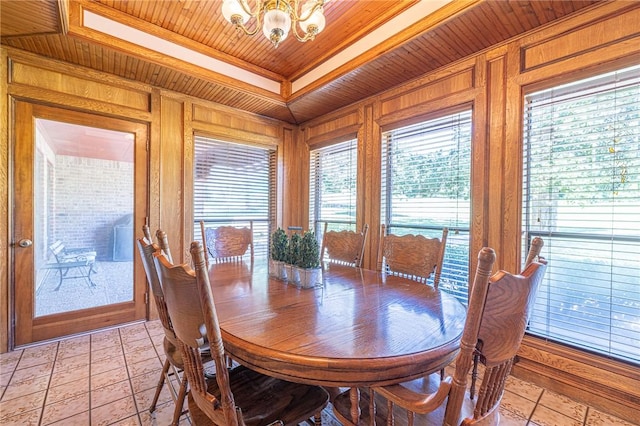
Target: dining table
(359, 328)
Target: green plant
(294, 249)
(279, 245)
(309, 251)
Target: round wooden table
(362, 328)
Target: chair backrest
(190, 304)
(227, 243)
(498, 312)
(534, 251)
(163, 242)
(146, 232)
(64, 255)
(412, 256)
(147, 249)
(344, 247)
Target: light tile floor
(109, 378)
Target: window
(234, 184)
(333, 186)
(582, 195)
(426, 187)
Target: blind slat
(582, 195)
(233, 184)
(426, 186)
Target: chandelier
(276, 18)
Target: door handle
(24, 243)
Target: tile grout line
(129, 378)
(46, 392)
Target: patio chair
(78, 261)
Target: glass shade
(275, 19)
(233, 7)
(316, 19)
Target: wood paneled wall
(493, 83)
(172, 121)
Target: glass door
(76, 185)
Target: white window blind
(333, 186)
(582, 196)
(234, 184)
(426, 187)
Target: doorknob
(24, 243)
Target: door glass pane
(83, 217)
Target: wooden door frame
(26, 329)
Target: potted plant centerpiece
(293, 257)
(279, 253)
(308, 264)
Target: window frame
(580, 86)
(454, 279)
(264, 221)
(317, 158)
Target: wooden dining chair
(234, 397)
(532, 256)
(412, 256)
(498, 312)
(227, 243)
(343, 247)
(173, 363)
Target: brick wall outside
(89, 197)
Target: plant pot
(274, 269)
(284, 271)
(294, 277)
(309, 278)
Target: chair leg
(474, 377)
(165, 369)
(182, 393)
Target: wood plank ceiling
(57, 29)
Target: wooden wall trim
(22, 56)
(5, 202)
(335, 127)
(369, 167)
(188, 143)
(601, 34)
(42, 78)
(608, 385)
(335, 136)
(172, 184)
(451, 85)
(77, 29)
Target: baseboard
(608, 385)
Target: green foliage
(309, 251)
(293, 255)
(279, 245)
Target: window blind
(234, 184)
(582, 196)
(426, 187)
(333, 186)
